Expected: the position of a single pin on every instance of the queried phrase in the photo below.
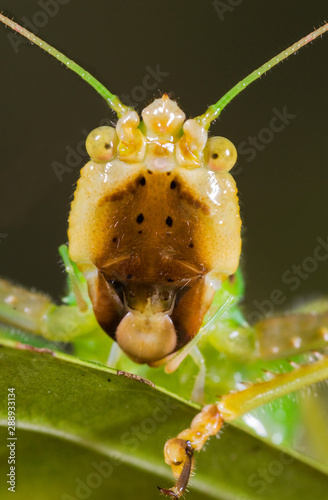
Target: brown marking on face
(129, 188)
(151, 234)
(189, 311)
(186, 194)
(156, 262)
(107, 303)
(152, 228)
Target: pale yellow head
(155, 227)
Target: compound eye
(101, 144)
(220, 154)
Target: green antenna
(112, 100)
(213, 111)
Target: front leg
(178, 452)
(290, 334)
(35, 312)
(274, 337)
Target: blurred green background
(44, 109)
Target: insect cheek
(101, 144)
(220, 154)
(146, 338)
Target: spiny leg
(291, 334)
(35, 312)
(276, 336)
(178, 451)
(173, 362)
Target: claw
(179, 451)
(180, 486)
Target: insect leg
(274, 337)
(174, 362)
(177, 451)
(281, 336)
(35, 312)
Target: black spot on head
(140, 218)
(149, 171)
(142, 181)
(107, 146)
(173, 185)
(170, 280)
(139, 232)
(168, 173)
(191, 245)
(114, 240)
(169, 221)
(109, 380)
(215, 156)
(129, 276)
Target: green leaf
(83, 431)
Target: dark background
(44, 109)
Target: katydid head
(154, 228)
(163, 191)
(154, 225)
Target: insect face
(155, 227)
